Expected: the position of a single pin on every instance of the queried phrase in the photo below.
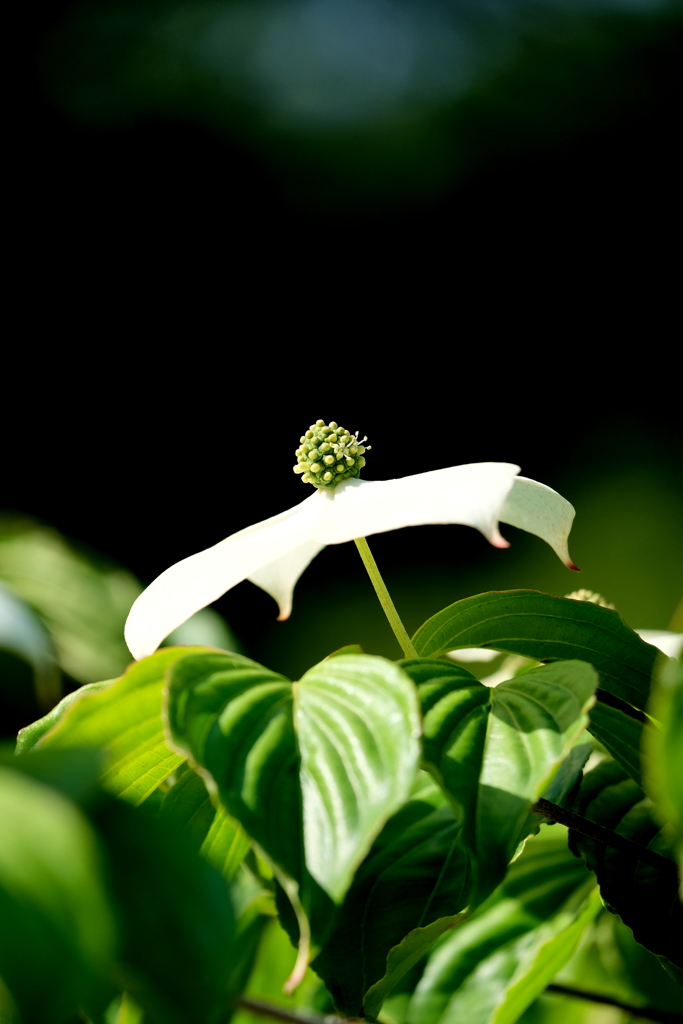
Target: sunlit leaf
(123, 720)
(495, 750)
(546, 628)
(356, 724)
(57, 938)
(357, 727)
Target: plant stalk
(388, 605)
(602, 835)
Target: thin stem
(280, 1013)
(661, 1016)
(388, 606)
(602, 835)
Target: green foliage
(493, 965)
(315, 783)
(495, 750)
(644, 897)
(58, 932)
(81, 599)
(664, 746)
(546, 628)
(123, 720)
(411, 888)
(105, 897)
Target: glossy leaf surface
(356, 726)
(621, 735)
(495, 750)
(123, 720)
(546, 628)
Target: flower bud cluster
(329, 454)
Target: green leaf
(664, 746)
(218, 837)
(30, 735)
(57, 939)
(356, 720)
(495, 750)
(123, 720)
(357, 724)
(24, 635)
(495, 963)
(546, 628)
(81, 600)
(235, 720)
(177, 926)
(411, 888)
(645, 897)
(621, 735)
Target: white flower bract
(273, 554)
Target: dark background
(181, 314)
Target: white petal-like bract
(274, 553)
(542, 511)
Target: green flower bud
(328, 455)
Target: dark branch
(661, 1016)
(280, 1013)
(602, 835)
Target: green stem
(388, 606)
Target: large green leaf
(495, 750)
(57, 937)
(644, 896)
(546, 628)
(495, 964)
(411, 888)
(356, 725)
(123, 720)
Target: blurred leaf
(123, 719)
(609, 961)
(58, 931)
(83, 602)
(235, 719)
(546, 628)
(495, 964)
(24, 635)
(176, 917)
(646, 898)
(411, 888)
(273, 965)
(206, 628)
(495, 750)
(664, 745)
